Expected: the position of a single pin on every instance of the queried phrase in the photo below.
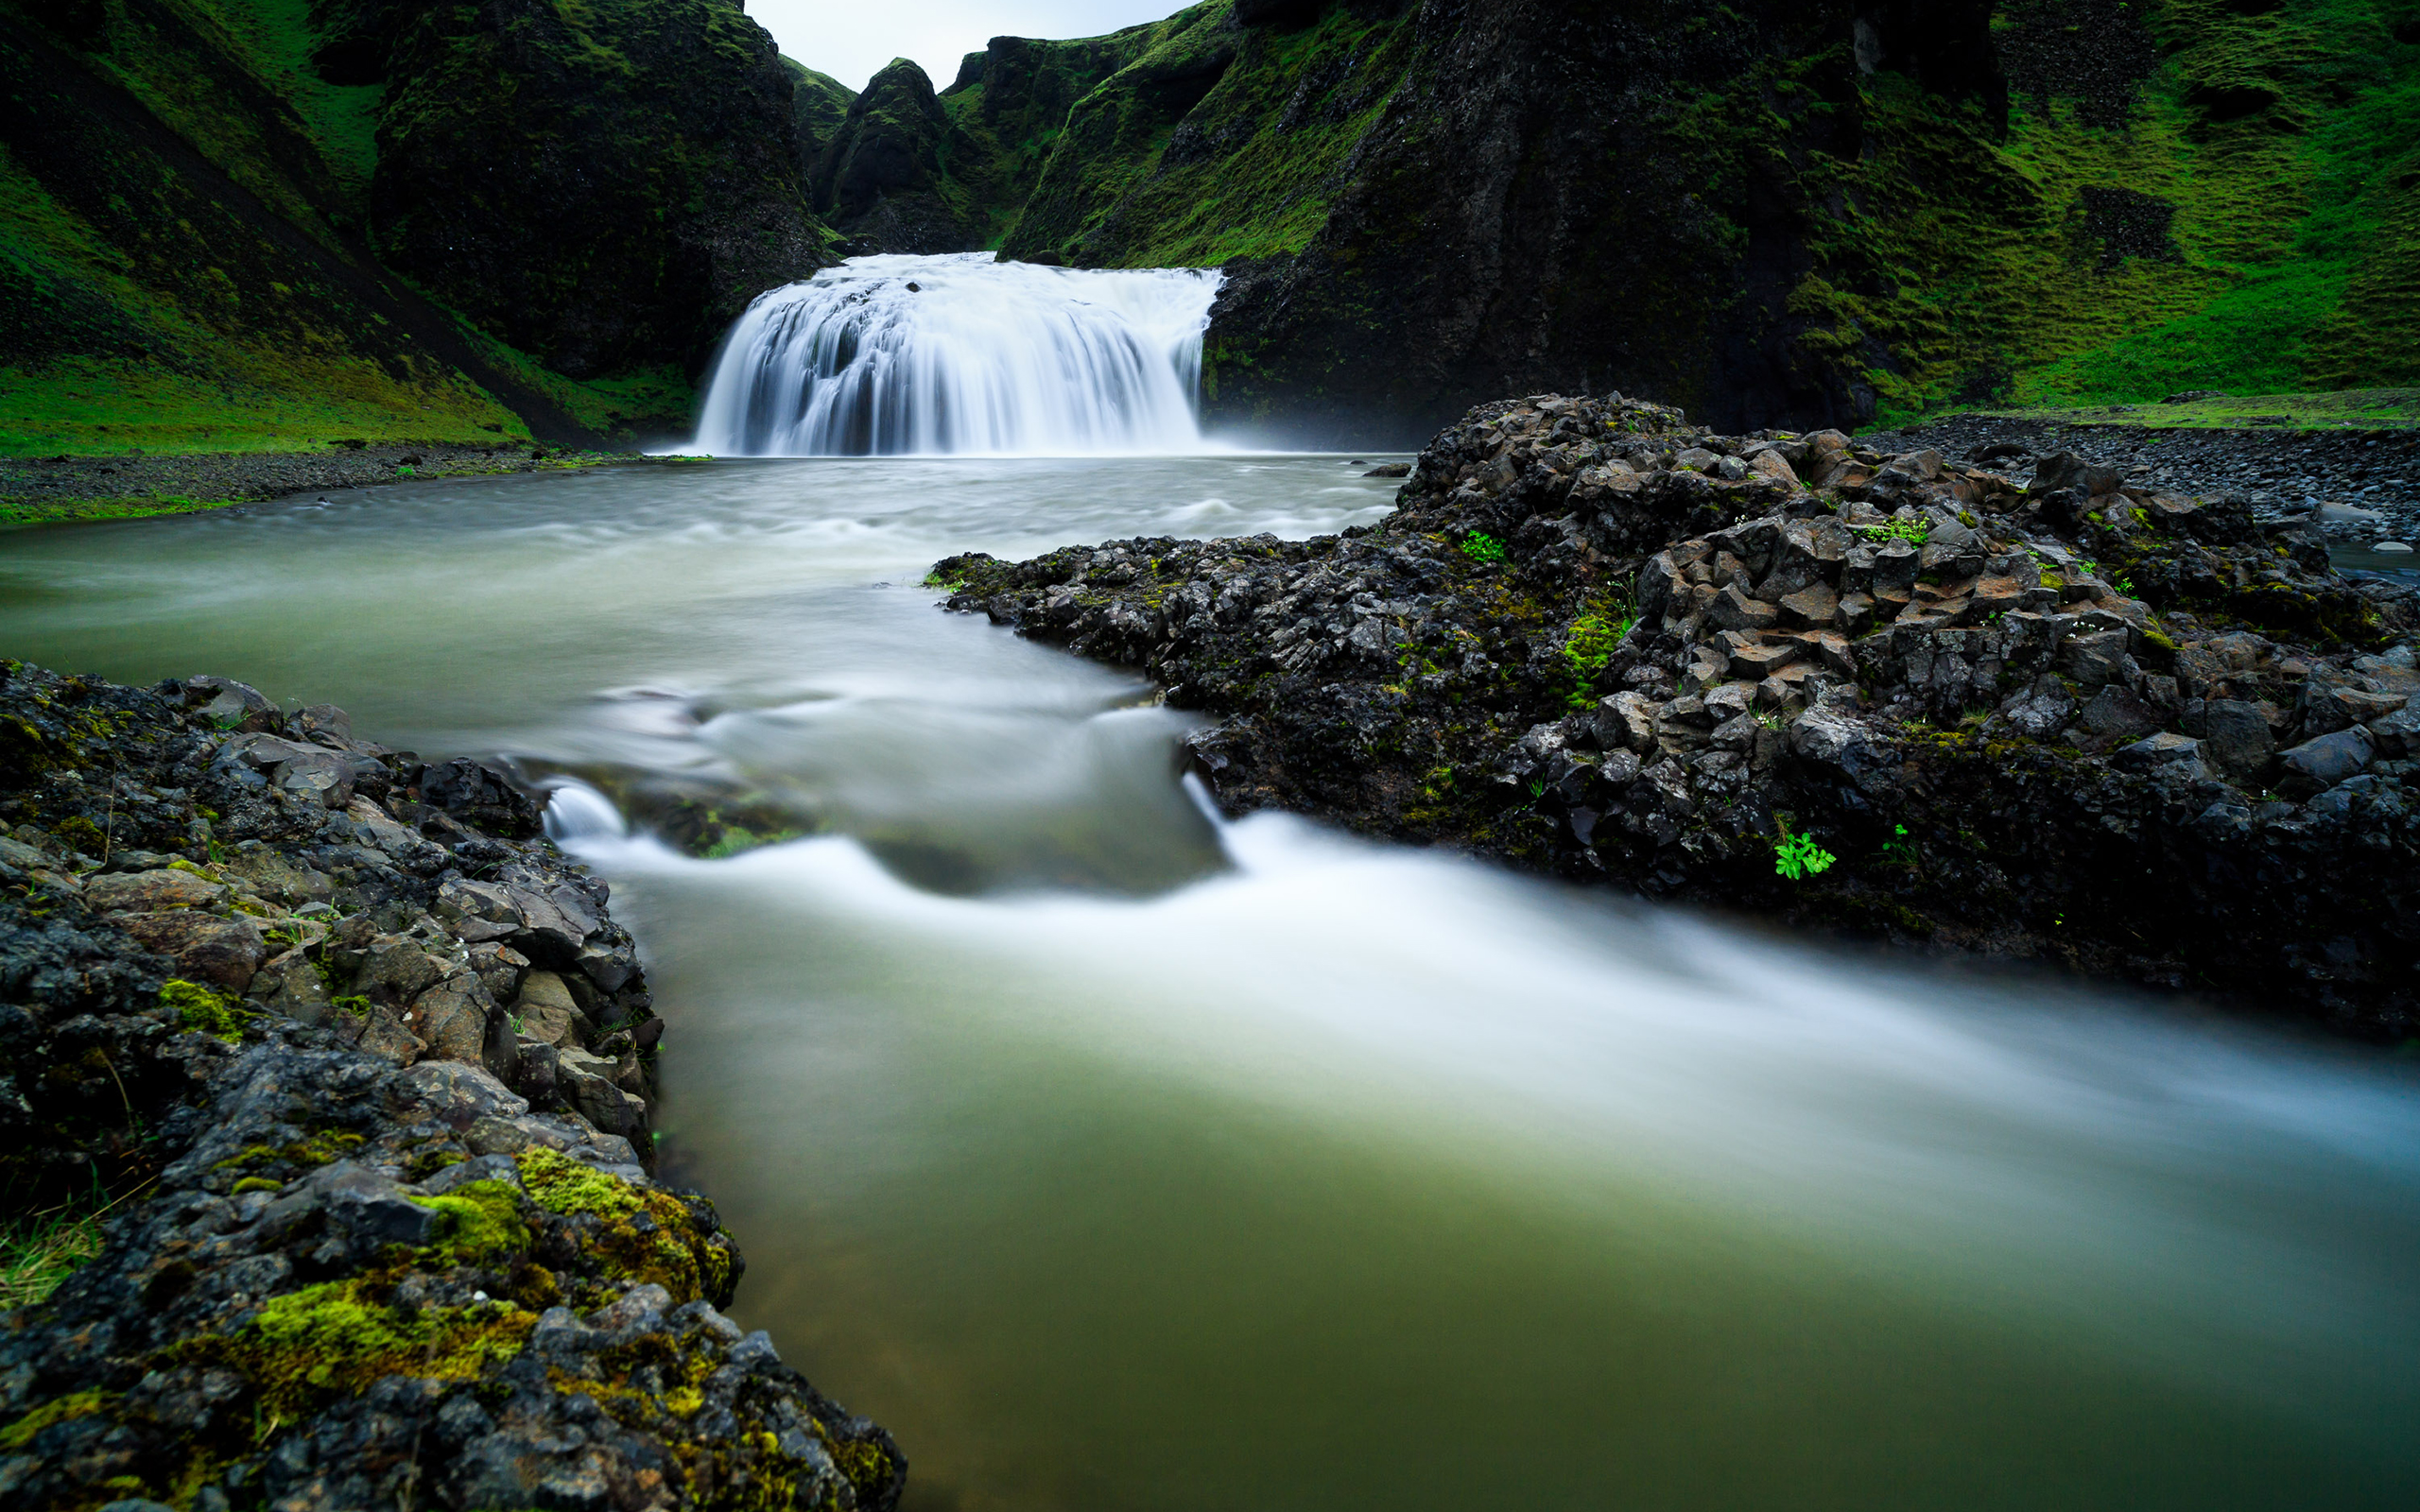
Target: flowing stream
(899, 356)
(1117, 1159)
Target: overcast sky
(850, 40)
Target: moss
(256, 1183)
(335, 1339)
(481, 1222)
(63, 1409)
(639, 1234)
(199, 1008)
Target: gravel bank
(2371, 478)
(33, 489)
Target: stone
(229, 705)
(1757, 660)
(2098, 658)
(2316, 765)
(220, 952)
(2396, 737)
(1773, 465)
(1734, 610)
(2165, 748)
(2066, 470)
(1815, 607)
(323, 723)
(1827, 649)
(151, 891)
(2115, 714)
(458, 1095)
(548, 1012)
(2236, 739)
(452, 1017)
(277, 878)
(1626, 721)
(2042, 709)
(324, 777)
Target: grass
(2366, 408)
(40, 1251)
(2275, 144)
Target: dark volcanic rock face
(879, 178)
(603, 188)
(368, 1069)
(2063, 716)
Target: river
(1117, 1159)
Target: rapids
(897, 355)
(1117, 1157)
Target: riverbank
(35, 490)
(2063, 718)
(2363, 484)
(364, 1071)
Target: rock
(546, 1010)
(2396, 737)
(221, 951)
(324, 777)
(2166, 748)
(325, 724)
(2235, 740)
(2093, 659)
(229, 705)
(1734, 609)
(2066, 470)
(1390, 470)
(2317, 764)
(452, 1017)
(152, 891)
(2115, 716)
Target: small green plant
(1798, 857)
(405, 471)
(1481, 547)
(947, 585)
(1588, 647)
(1916, 532)
(1899, 847)
(355, 1006)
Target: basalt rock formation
(367, 1069)
(2060, 717)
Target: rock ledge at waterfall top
(368, 1067)
(2056, 717)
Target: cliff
(254, 225)
(1803, 214)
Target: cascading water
(899, 356)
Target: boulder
(2236, 739)
(2116, 714)
(2164, 750)
(221, 951)
(229, 705)
(2316, 765)
(151, 891)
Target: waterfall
(899, 356)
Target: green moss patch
(639, 1234)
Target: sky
(851, 40)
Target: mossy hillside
(818, 105)
(1008, 107)
(2240, 216)
(154, 295)
(1218, 143)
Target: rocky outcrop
(603, 188)
(2058, 718)
(879, 178)
(368, 1070)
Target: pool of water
(1252, 1166)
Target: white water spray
(933, 356)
